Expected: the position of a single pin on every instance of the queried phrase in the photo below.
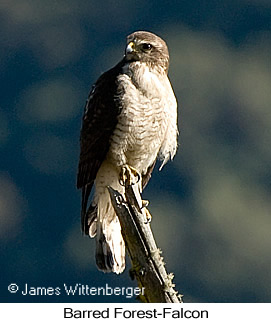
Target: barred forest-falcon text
(130, 121)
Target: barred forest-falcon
(130, 121)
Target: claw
(145, 203)
(127, 176)
(147, 215)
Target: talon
(135, 173)
(127, 175)
(145, 203)
(147, 215)
(122, 177)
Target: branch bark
(147, 264)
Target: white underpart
(146, 128)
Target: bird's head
(147, 47)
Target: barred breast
(148, 116)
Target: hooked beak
(130, 47)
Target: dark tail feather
(104, 257)
(110, 254)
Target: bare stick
(147, 264)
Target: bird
(129, 122)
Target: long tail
(103, 222)
(110, 247)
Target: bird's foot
(145, 203)
(129, 176)
(147, 213)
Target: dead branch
(147, 264)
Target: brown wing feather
(99, 121)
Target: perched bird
(130, 121)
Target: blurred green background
(211, 207)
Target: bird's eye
(146, 46)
